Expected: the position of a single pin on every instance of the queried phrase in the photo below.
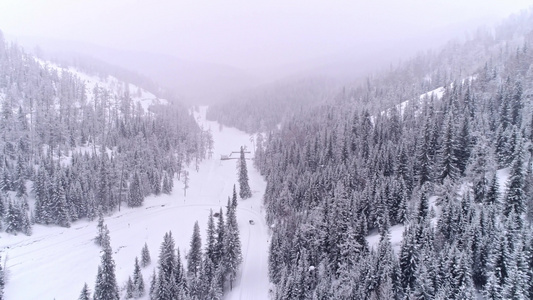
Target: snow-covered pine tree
(182, 285)
(194, 263)
(129, 288)
(167, 184)
(232, 246)
(145, 256)
(59, 203)
(446, 157)
(12, 219)
(85, 293)
(515, 200)
(194, 257)
(138, 281)
(210, 237)
(244, 186)
(100, 228)
(135, 193)
(2, 281)
(185, 179)
(165, 285)
(106, 287)
(153, 285)
(234, 199)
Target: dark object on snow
(228, 157)
(216, 215)
(251, 222)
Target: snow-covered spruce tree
(145, 256)
(424, 166)
(515, 199)
(153, 285)
(446, 157)
(219, 250)
(185, 179)
(138, 281)
(170, 282)
(85, 293)
(12, 219)
(106, 287)
(167, 184)
(59, 203)
(42, 203)
(232, 246)
(244, 186)
(194, 263)
(135, 193)
(182, 285)
(210, 237)
(100, 229)
(234, 199)
(210, 275)
(194, 257)
(2, 281)
(129, 288)
(2, 209)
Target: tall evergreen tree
(447, 159)
(515, 197)
(145, 256)
(218, 252)
(106, 287)
(232, 246)
(2, 281)
(244, 187)
(234, 199)
(138, 281)
(135, 194)
(210, 238)
(165, 285)
(85, 293)
(194, 257)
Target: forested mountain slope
(263, 108)
(79, 145)
(340, 171)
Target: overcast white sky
(246, 34)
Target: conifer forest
(407, 178)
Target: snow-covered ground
(55, 262)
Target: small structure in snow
(251, 222)
(228, 157)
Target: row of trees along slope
(360, 165)
(206, 275)
(47, 112)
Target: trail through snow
(55, 262)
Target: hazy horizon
(242, 34)
(220, 48)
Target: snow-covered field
(55, 262)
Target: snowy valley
(408, 180)
(59, 260)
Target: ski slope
(55, 262)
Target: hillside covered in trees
(77, 151)
(263, 108)
(451, 170)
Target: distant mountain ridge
(191, 82)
